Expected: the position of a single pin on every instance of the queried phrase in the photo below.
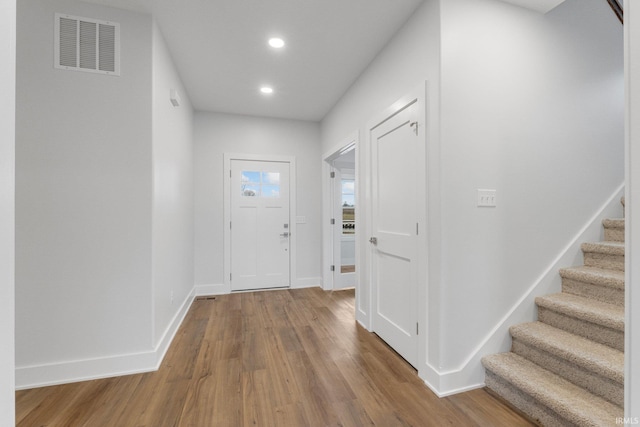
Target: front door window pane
(260, 184)
(270, 191)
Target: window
(260, 184)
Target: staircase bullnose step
(597, 276)
(600, 313)
(570, 402)
(589, 355)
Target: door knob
(285, 234)
(374, 240)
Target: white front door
(394, 145)
(260, 228)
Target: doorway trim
(228, 157)
(348, 143)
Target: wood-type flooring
(277, 358)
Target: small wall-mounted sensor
(175, 98)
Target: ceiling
(221, 52)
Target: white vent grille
(84, 44)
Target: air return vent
(84, 44)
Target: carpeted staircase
(567, 369)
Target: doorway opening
(341, 214)
(344, 204)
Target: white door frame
(418, 95)
(228, 157)
(328, 210)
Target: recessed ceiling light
(266, 90)
(276, 42)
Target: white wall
(172, 191)
(83, 200)
(7, 190)
(216, 134)
(632, 280)
(530, 105)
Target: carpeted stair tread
(591, 356)
(613, 229)
(613, 222)
(605, 248)
(567, 368)
(607, 254)
(600, 313)
(572, 403)
(596, 276)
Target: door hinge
(417, 229)
(333, 221)
(229, 276)
(229, 173)
(414, 125)
(229, 225)
(333, 268)
(332, 174)
(417, 329)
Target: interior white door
(394, 277)
(260, 227)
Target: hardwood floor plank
(215, 398)
(313, 396)
(352, 413)
(373, 401)
(28, 401)
(484, 409)
(279, 358)
(291, 415)
(111, 408)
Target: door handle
(285, 234)
(373, 240)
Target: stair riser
(606, 388)
(606, 261)
(595, 292)
(524, 402)
(614, 234)
(601, 334)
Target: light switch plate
(486, 198)
(301, 220)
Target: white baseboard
(102, 367)
(307, 282)
(470, 374)
(167, 338)
(220, 289)
(84, 370)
